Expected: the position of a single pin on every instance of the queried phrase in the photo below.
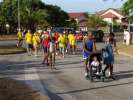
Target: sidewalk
(125, 50)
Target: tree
(95, 21)
(33, 13)
(57, 17)
(127, 7)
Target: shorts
(86, 56)
(20, 39)
(45, 49)
(62, 50)
(30, 46)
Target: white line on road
(33, 80)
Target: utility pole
(18, 14)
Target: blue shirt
(89, 47)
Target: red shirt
(45, 42)
(56, 36)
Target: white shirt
(51, 47)
(126, 35)
(95, 63)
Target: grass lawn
(16, 90)
(8, 37)
(126, 49)
(4, 50)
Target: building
(80, 18)
(110, 15)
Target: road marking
(33, 80)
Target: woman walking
(109, 58)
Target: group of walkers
(62, 43)
(52, 44)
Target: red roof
(109, 15)
(75, 15)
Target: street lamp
(7, 28)
(18, 14)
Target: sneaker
(66, 51)
(97, 73)
(63, 56)
(36, 55)
(56, 53)
(86, 74)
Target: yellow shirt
(66, 38)
(36, 40)
(61, 41)
(28, 38)
(19, 34)
(72, 39)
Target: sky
(85, 5)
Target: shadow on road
(124, 74)
(68, 63)
(11, 68)
(94, 88)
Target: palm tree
(95, 21)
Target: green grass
(124, 48)
(15, 90)
(5, 50)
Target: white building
(111, 15)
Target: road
(68, 82)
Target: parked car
(98, 35)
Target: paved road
(68, 82)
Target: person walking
(88, 47)
(20, 38)
(127, 37)
(45, 45)
(72, 43)
(109, 58)
(56, 36)
(52, 52)
(29, 42)
(36, 43)
(61, 41)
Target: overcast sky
(85, 5)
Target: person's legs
(111, 71)
(56, 48)
(60, 51)
(20, 42)
(46, 54)
(28, 49)
(53, 55)
(107, 66)
(63, 52)
(86, 67)
(35, 50)
(53, 60)
(50, 60)
(31, 48)
(74, 49)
